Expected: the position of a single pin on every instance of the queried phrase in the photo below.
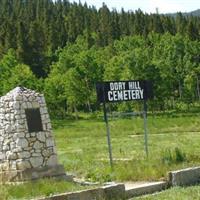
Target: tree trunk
(180, 89)
(65, 108)
(198, 92)
(172, 103)
(76, 112)
(89, 106)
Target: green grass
(176, 193)
(41, 188)
(173, 144)
(82, 149)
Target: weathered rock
(29, 105)
(33, 134)
(1, 139)
(12, 145)
(38, 145)
(11, 155)
(48, 126)
(23, 164)
(22, 142)
(49, 142)
(13, 165)
(41, 136)
(6, 147)
(52, 160)
(17, 117)
(18, 135)
(8, 128)
(5, 165)
(46, 153)
(24, 154)
(16, 105)
(36, 161)
(36, 154)
(2, 156)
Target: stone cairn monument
(27, 148)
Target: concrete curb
(184, 177)
(110, 192)
(113, 192)
(145, 188)
(82, 195)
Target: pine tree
(35, 56)
(192, 31)
(105, 34)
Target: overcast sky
(149, 6)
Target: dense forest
(62, 49)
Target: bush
(179, 155)
(173, 156)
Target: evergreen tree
(192, 31)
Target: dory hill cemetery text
(116, 91)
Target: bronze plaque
(34, 121)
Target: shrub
(173, 156)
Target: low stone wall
(96, 194)
(110, 192)
(184, 177)
(189, 176)
(114, 192)
(146, 188)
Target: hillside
(62, 49)
(192, 13)
(36, 29)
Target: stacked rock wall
(26, 154)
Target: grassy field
(173, 144)
(82, 148)
(176, 193)
(41, 188)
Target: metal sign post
(107, 128)
(108, 134)
(145, 129)
(118, 91)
